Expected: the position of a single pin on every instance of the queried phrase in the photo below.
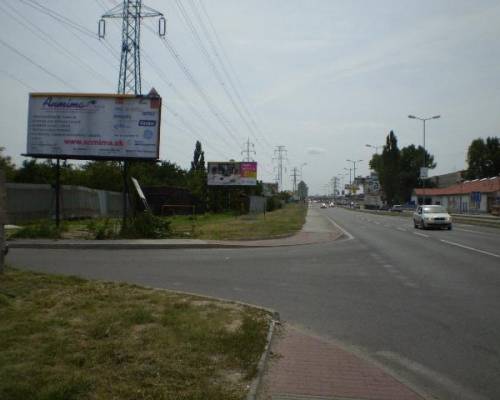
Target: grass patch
(279, 223)
(46, 229)
(69, 338)
(223, 226)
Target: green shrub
(148, 226)
(41, 229)
(273, 203)
(100, 230)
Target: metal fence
(28, 202)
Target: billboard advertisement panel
(93, 126)
(232, 173)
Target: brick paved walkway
(307, 367)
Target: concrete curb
(299, 239)
(261, 366)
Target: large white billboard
(232, 173)
(93, 126)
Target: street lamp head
(436, 116)
(412, 117)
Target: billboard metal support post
(58, 192)
(125, 194)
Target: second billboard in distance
(232, 173)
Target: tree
(7, 165)
(376, 163)
(197, 177)
(198, 163)
(105, 175)
(390, 169)
(411, 160)
(302, 190)
(483, 158)
(33, 171)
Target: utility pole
(350, 179)
(279, 157)
(131, 12)
(129, 78)
(248, 150)
(295, 174)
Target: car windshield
(434, 209)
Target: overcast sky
(322, 78)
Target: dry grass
(279, 223)
(69, 338)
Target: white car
(323, 205)
(432, 216)
(332, 204)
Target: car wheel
(415, 224)
(450, 227)
(422, 225)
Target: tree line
(399, 169)
(108, 175)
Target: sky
(323, 78)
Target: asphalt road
(425, 304)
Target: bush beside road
(223, 226)
(65, 337)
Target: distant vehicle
(396, 208)
(432, 216)
(323, 205)
(332, 204)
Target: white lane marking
(388, 266)
(401, 229)
(467, 230)
(377, 223)
(420, 234)
(349, 236)
(463, 246)
(410, 284)
(455, 390)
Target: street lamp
(425, 161)
(374, 147)
(301, 166)
(354, 164)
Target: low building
(478, 195)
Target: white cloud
(315, 151)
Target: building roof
(485, 185)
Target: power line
(197, 38)
(231, 68)
(205, 97)
(61, 18)
(15, 78)
(37, 65)
(42, 35)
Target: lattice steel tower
(131, 12)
